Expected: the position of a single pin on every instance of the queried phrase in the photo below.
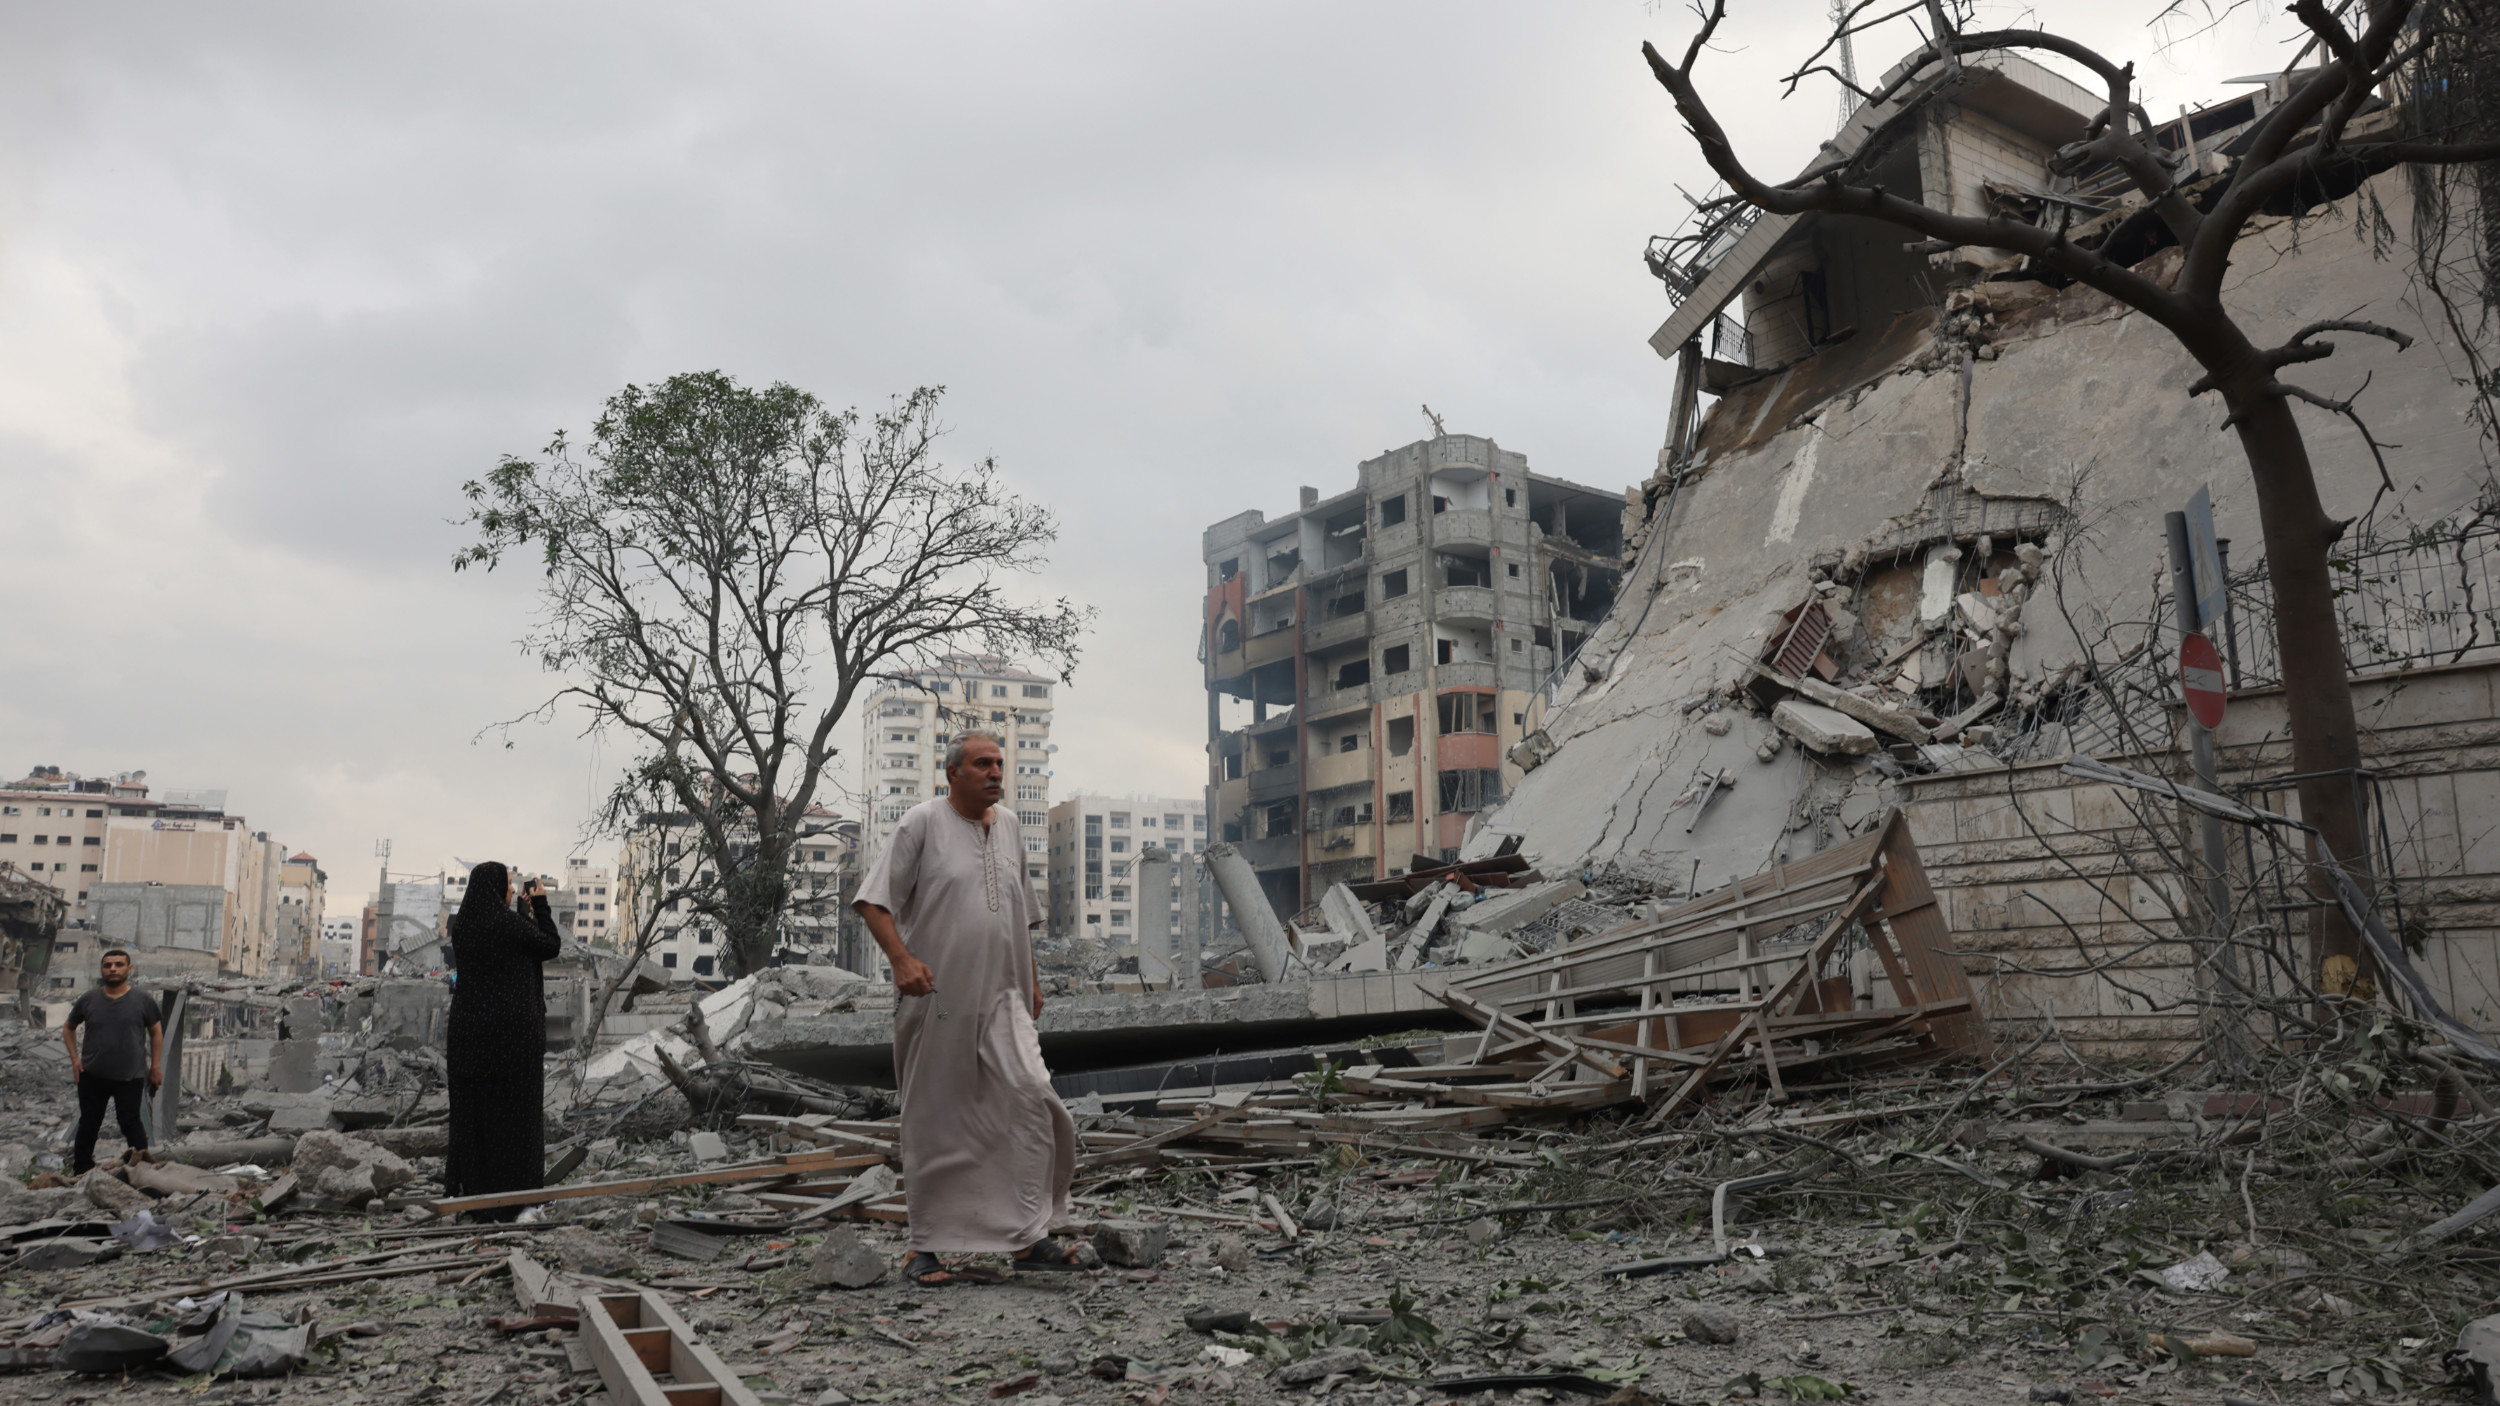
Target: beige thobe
(988, 1151)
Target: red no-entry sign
(2200, 673)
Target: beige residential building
(52, 826)
(172, 870)
(1094, 843)
(302, 887)
(907, 727)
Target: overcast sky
(275, 279)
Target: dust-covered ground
(1904, 1304)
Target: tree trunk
(752, 900)
(2317, 694)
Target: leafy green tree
(727, 568)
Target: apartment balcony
(1340, 769)
(1230, 797)
(1467, 751)
(1275, 783)
(1276, 644)
(1477, 603)
(1344, 628)
(1273, 852)
(1340, 842)
(1322, 702)
(1462, 527)
(1467, 675)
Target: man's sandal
(1052, 1253)
(929, 1272)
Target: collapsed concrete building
(1906, 547)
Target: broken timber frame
(1541, 1049)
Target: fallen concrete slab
(1822, 729)
(1505, 912)
(1082, 1033)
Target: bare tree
(663, 874)
(727, 568)
(2301, 150)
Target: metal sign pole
(2201, 752)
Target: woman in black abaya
(497, 1039)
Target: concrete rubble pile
(1890, 1237)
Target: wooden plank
(788, 1166)
(1916, 923)
(1224, 1109)
(1648, 937)
(823, 1136)
(635, 1339)
(1491, 1016)
(539, 1293)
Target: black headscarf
(487, 895)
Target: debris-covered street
(2034, 1230)
(1860, 899)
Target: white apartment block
(909, 724)
(583, 904)
(1094, 843)
(665, 852)
(340, 939)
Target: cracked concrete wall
(2071, 398)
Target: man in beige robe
(988, 1151)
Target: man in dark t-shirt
(124, 1057)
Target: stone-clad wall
(2012, 851)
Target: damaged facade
(1906, 546)
(1386, 641)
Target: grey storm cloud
(276, 279)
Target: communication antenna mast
(1848, 65)
(1437, 431)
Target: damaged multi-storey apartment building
(1383, 644)
(1906, 546)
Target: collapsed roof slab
(1081, 1033)
(2011, 89)
(2072, 399)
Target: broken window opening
(1228, 636)
(1401, 736)
(1354, 673)
(1393, 660)
(1279, 819)
(1465, 571)
(1280, 756)
(1392, 584)
(1465, 712)
(1229, 570)
(1470, 790)
(1352, 741)
(1441, 653)
(1401, 805)
(1393, 510)
(1346, 605)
